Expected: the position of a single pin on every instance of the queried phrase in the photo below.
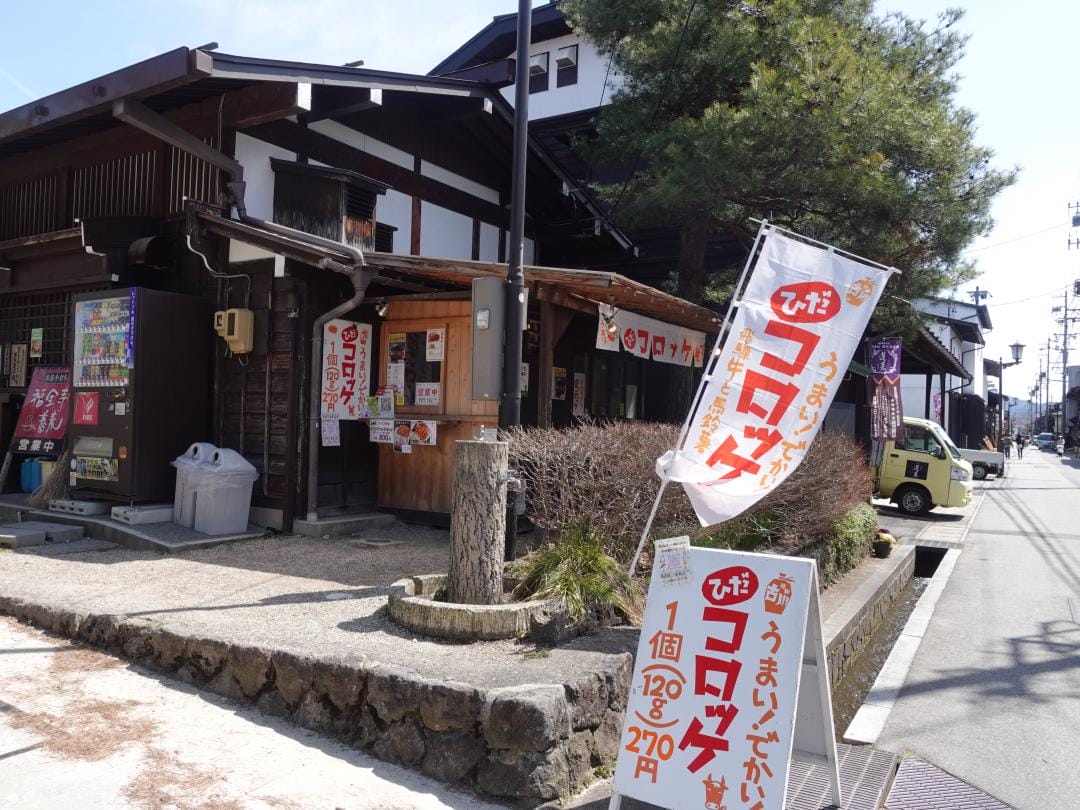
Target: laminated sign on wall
(346, 369)
(766, 394)
(730, 682)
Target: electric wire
(1017, 238)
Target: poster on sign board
(578, 403)
(42, 422)
(17, 367)
(558, 383)
(37, 342)
(718, 695)
(331, 432)
(381, 431)
(346, 369)
(436, 346)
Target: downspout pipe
(133, 112)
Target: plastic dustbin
(223, 487)
(30, 475)
(187, 469)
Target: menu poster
(395, 381)
(578, 407)
(381, 431)
(395, 342)
(19, 362)
(524, 379)
(558, 383)
(331, 432)
(403, 432)
(436, 345)
(37, 340)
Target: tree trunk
(478, 523)
(692, 241)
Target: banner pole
(706, 376)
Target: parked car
(1045, 441)
(923, 471)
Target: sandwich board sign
(730, 682)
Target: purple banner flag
(887, 410)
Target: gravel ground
(315, 597)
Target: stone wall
(537, 741)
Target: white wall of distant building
(582, 95)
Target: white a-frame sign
(730, 682)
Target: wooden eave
(575, 289)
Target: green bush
(849, 541)
(594, 586)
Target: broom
(55, 485)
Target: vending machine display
(141, 362)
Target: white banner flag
(798, 323)
(648, 338)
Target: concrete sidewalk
(993, 693)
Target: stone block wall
(535, 742)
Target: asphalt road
(993, 695)
(82, 729)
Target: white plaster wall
(444, 234)
(489, 243)
(584, 95)
(395, 208)
(365, 143)
(459, 182)
(255, 156)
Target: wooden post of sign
(477, 523)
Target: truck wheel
(912, 500)
(978, 471)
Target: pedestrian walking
(1006, 446)
(1020, 446)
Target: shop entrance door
(348, 474)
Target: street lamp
(1017, 350)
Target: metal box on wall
(488, 322)
(139, 390)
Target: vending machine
(140, 371)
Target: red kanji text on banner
(798, 323)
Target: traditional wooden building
(303, 194)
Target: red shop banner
(43, 419)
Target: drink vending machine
(141, 364)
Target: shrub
(593, 585)
(602, 477)
(849, 541)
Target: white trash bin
(187, 467)
(223, 502)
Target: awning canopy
(925, 354)
(577, 289)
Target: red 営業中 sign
(42, 421)
(716, 708)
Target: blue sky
(1018, 77)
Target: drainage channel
(851, 691)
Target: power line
(1017, 239)
(1030, 298)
